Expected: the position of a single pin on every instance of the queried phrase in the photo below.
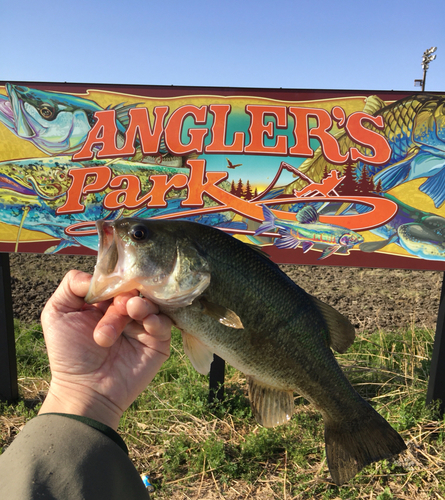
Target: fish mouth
(13, 113)
(21, 124)
(6, 112)
(116, 271)
(108, 278)
(123, 266)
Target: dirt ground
(371, 298)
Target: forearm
(59, 457)
(73, 399)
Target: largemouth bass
(231, 300)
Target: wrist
(73, 399)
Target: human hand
(102, 356)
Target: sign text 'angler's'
(265, 123)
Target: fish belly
(276, 359)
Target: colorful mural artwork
(311, 177)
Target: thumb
(70, 294)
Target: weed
(30, 350)
(193, 450)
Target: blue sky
(344, 44)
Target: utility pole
(428, 56)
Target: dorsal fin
(258, 250)
(373, 104)
(122, 110)
(341, 331)
(307, 215)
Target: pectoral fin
(200, 355)
(373, 246)
(341, 331)
(397, 173)
(433, 187)
(329, 251)
(270, 406)
(220, 313)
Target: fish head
(54, 122)
(351, 239)
(153, 256)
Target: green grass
(32, 360)
(190, 448)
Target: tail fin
(269, 221)
(353, 445)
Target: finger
(159, 326)
(70, 293)
(101, 306)
(79, 282)
(139, 307)
(120, 301)
(155, 328)
(110, 327)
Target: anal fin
(287, 241)
(200, 355)
(270, 406)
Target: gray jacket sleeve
(55, 457)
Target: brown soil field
(371, 298)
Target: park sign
(349, 178)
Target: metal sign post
(8, 363)
(216, 379)
(436, 382)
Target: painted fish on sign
(307, 231)
(235, 153)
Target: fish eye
(139, 233)
(47, 111)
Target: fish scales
(413, 127)
(288, 333)
(249, 279)
(231, 300)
